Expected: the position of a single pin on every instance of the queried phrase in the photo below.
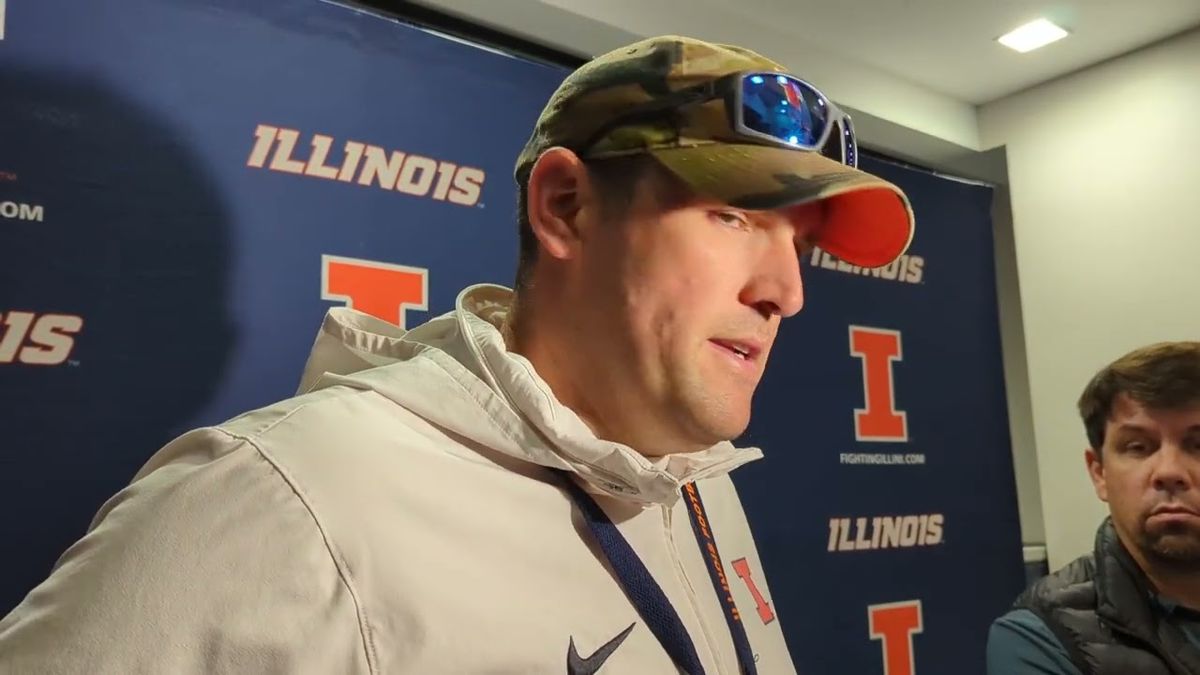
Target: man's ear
(1095, 466)
(559, 189)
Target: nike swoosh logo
(592, 664)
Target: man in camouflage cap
(663, 214)
(537, 478)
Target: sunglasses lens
(784, 108)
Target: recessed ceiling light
(1032, 35)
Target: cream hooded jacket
(399, 516)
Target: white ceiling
(913, 72)
(946, 46)
(949, 45)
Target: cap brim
(869, 220)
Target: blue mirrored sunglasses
(762, 106)
(788, 110)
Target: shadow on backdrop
(134, 239)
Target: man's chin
(713, 418)
(733, 431)
(1174, 543)
(726, 428)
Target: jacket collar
(457, 372)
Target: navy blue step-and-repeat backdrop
(187, 185)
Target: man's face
(1149, 473)
(687, 301)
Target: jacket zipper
(709, 643)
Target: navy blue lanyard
(646, 595)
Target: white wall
(1104, 172)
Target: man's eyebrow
(1137, 428)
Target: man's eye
(1136, 447)
(731, 219)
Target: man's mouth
(746, 350)
(1173, 509)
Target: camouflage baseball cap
(869, 220)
